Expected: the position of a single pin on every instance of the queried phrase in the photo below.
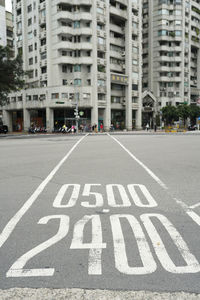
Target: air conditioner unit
(123, 53)
(123, 101)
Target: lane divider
(8, 229)
(141, 164)
(188, 209)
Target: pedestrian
(101, 127)
(81, 127)
(72, 129)
(155, 127)
(95, 128)
(147, 127)
(64, 128)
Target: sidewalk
(124, 132)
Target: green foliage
(183, 111)
(11, 74)
(169, 114)
(101, 68)
(194, 113)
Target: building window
(55, 96)
(77, 81)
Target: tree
(194, 113)
(183, 112)
(11, 74)
(169, 114)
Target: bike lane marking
(8, 229)
(188, 209)
(95, 247)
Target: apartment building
(81, 51)
(9, 32)
(2, 23)
(171, 54)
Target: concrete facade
(171, 51)
(2, 23)
(86, 51)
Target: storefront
(38, 118)
(118, 119)
(66, 116)
(17, 121)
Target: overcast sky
(8, 5)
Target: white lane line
(189, 211)
(141, 164)
(8, 229)
(195, 205)
(185, 207)
(194, 216)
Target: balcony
(118, 12)
(85, 60)
(69, 31)
(75, 2)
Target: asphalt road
(100, 212)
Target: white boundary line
(195, 217)
(141, 164)
(8, 229)
(195, 205)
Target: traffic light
(76, 113)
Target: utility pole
(77, 117)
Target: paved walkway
(134, 132)
(81, 294)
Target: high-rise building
(82, 51)
(9, 32)
(171, 54)
(2, 23)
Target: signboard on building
(120, 79)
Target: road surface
(107, 212)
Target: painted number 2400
(121, 260)
(96, 246)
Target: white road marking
(73, 199)
(192, 265)
(95, 246)
(8, 229)
(87, 193)
(111, 197)
(141, 164)
(194, 216)
(185, 207)
(106, 210)
(121, 259)
(189, 211)
(17, 270)
(136, 199)
(195, 205)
